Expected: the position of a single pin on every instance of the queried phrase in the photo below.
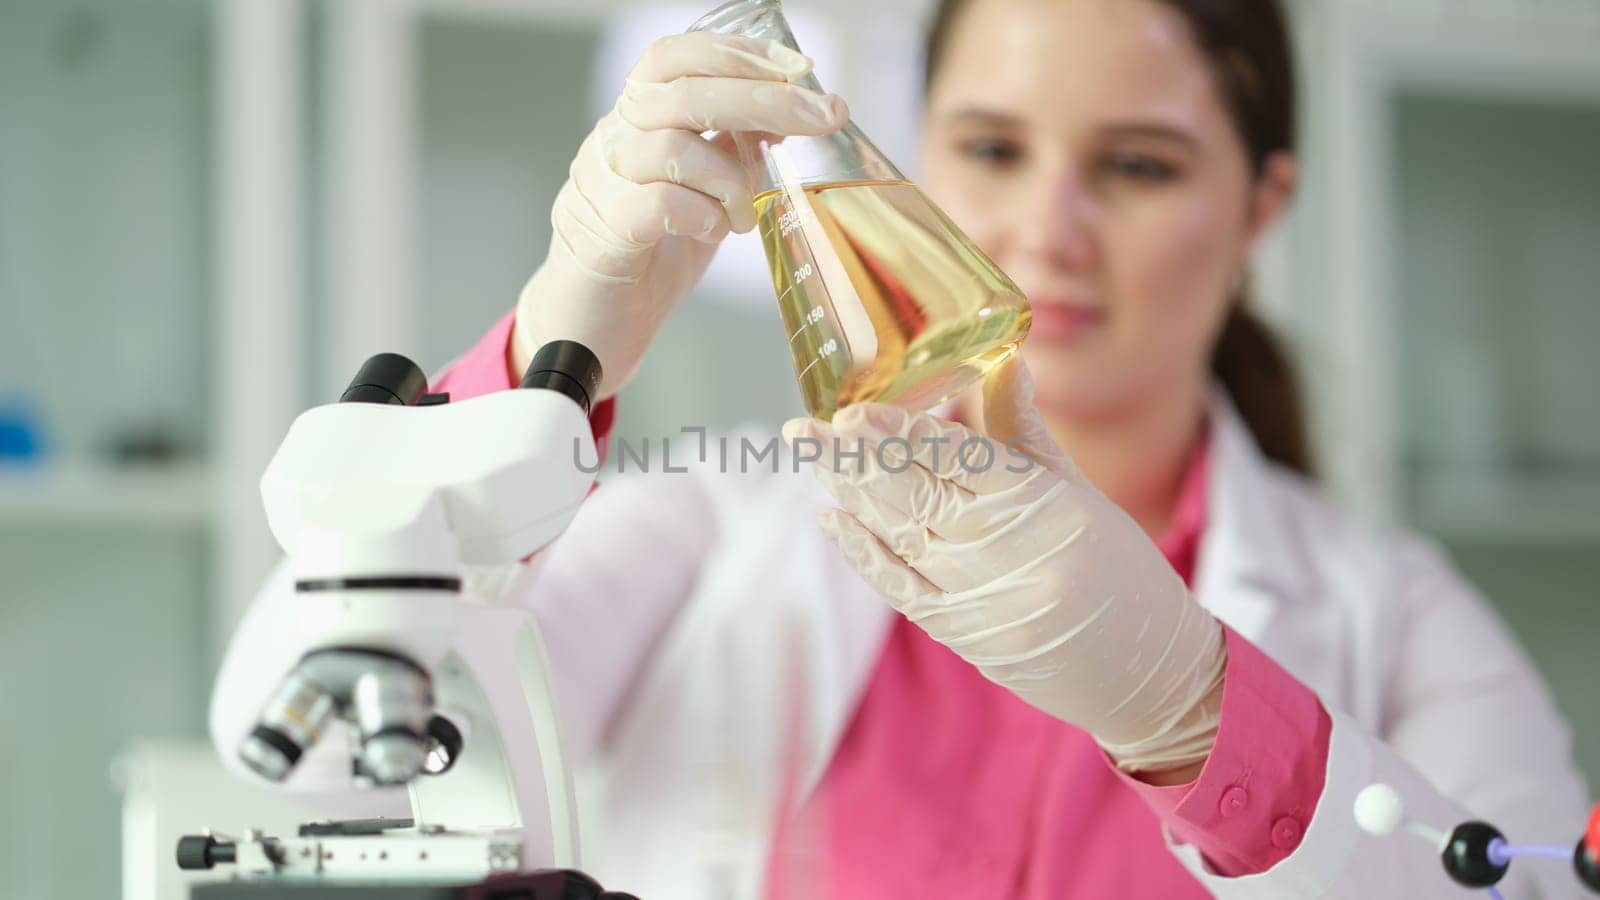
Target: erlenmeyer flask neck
(752, 18)
(757, 19)
(844, 156)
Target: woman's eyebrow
(994, 118)
(973, 115)
(1150, 130)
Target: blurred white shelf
(73, 493)
(1488, 503)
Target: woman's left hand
(1024, 569)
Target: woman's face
(1085, 146)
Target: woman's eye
(993, 152)
(1140, 167)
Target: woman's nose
(1058, 228)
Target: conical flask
(882, 297)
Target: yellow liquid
(882, 297)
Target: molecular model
(1476, 854)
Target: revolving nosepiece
(387, 697)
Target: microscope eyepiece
(568, 367)
(387, 378)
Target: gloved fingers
(950, 450)
(946, 564)
(1010, 417)
(957, 540)
(955, 619)
(679, 157)
(734, 56)
(968, 523)
(591, 244)
(904, 536)
(723, 140)
(889, 475)
(896, 581)
(949, 566)
(904, 494)
(925, 468)
(937, 476)
(630, 217)
(731, 104)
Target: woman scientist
(1155, 663)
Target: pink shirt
(946, 785)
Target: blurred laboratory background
(212, 210)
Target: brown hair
(1248, 46)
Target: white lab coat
(709, 647)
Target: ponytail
(1253, 367)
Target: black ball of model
(1466, 855)
(1587, 866)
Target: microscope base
(255, 890)
(554, 884)
(378, 859)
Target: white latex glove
(1025, 570)
(648, 198)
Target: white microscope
(382, 502)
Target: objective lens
(290, 724)
(391, 707)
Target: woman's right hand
(648, 198)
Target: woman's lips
(1063, 321)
